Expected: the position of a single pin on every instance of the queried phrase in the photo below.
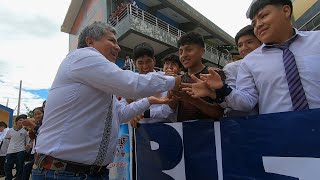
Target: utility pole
(19, 100)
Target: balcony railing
(312, 24)
(149, 18)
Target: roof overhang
(203, 21)
(71, 15)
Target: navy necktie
(298, 97)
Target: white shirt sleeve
(231, 71)
(126, 111)
(160, 111)
(3, 134)
(8, 134)
(245, 96)
(96, 71)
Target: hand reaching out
(158, 100)
(29, 123)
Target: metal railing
(149, 18)
(312, 24)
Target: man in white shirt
(246, 42)
(16, 150)
(281, 75)
(82, 97)
(3, 146)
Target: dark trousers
(2, 160)
(11, 159)
(27, 170)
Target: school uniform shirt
(17, 140)
(4, 142)
(262, 79)
(152, 112)
(231, 72)
(81, 122)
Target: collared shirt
(262, 78)
(18, 140)
(78, 104)
(4, 142)
(3, 134)
(231, 72)
(158, 112)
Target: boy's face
(271, 22)
(19, 123)
(145, 64)
(247, 43)
(171, 65)
(190, 55)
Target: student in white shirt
(3, 146)
(266, 74)
(246, 42)
(82, 97)
(16, 150)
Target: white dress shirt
(231, 71)
(158, 112)
(78, 104)
(4, 142)
(3, 134)
(261, 78)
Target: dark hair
(191, 38)
(3, 124)
(21, 116)
(173, 58)
(38, 108)
(143, 49)
(248, 30)
(260, 4)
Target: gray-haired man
(80, 126)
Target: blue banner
(120, 168)
(281, 146)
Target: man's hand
(135, 121)
(198, 89)
(29, 123)
(158, 100)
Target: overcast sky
(32, 46)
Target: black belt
(52, 163)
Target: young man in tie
(281, 75)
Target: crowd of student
(278, 74)
(17, 145)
